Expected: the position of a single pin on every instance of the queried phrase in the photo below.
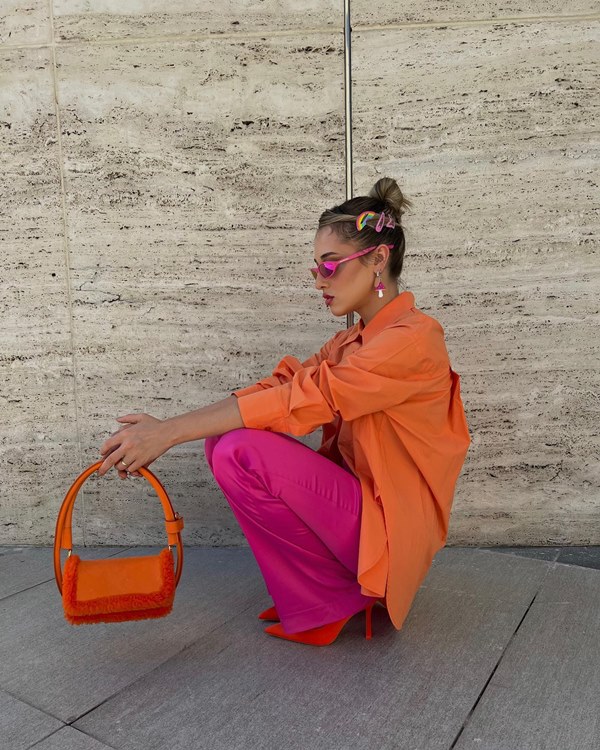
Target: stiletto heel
(323, 635)
(368, 622)
(269, 614)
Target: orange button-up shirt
(389, 404)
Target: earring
(380, 287)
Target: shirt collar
(388, 314)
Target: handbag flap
(118, 584)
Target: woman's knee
(219, 447)
(209, 447)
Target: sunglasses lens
(323, 271)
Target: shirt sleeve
(391, 369)
(286, 369)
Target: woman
(359, 521)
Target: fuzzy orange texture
(119, 608)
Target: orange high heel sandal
(323, 635)
(269, 614)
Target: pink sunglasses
(329, 267)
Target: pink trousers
(300, 513)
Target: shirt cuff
(250, 389)
(264, 409)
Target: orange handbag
(117, 588)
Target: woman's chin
(336, 308)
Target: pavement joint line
(493, 672)
(27, 588)
(154, 669)
(43, 739)
(517, 554)
(47, 580)
(36, 708)
(87, 734)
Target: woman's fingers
(106, 453)
(134, 466)
(108, 446)
(114, 440)
(108, 462)
(126, 474)
(138, 448)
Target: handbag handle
(63, 536)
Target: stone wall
(163, 171)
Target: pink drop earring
(380, 287)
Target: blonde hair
(385, 195)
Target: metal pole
(348, 115)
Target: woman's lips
(328, 299)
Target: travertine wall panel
(111, 19)
(190, 273)
(490, 134)
(24, 22)
(38, 444)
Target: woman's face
(351, 286)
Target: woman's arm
(214, 419)
(141, 439)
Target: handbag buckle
(175, 518)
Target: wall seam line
(67, 256)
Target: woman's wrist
(214, 419)
(172, 432)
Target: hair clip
(361, 220)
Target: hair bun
(387, 191)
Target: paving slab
(24, 567)
(67, 670)
(545, 694)
(68, 738)
(22, 725)
(237, 688)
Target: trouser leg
(300, 513)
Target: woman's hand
(138, 442)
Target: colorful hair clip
(361, 220)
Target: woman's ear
(381, 256)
